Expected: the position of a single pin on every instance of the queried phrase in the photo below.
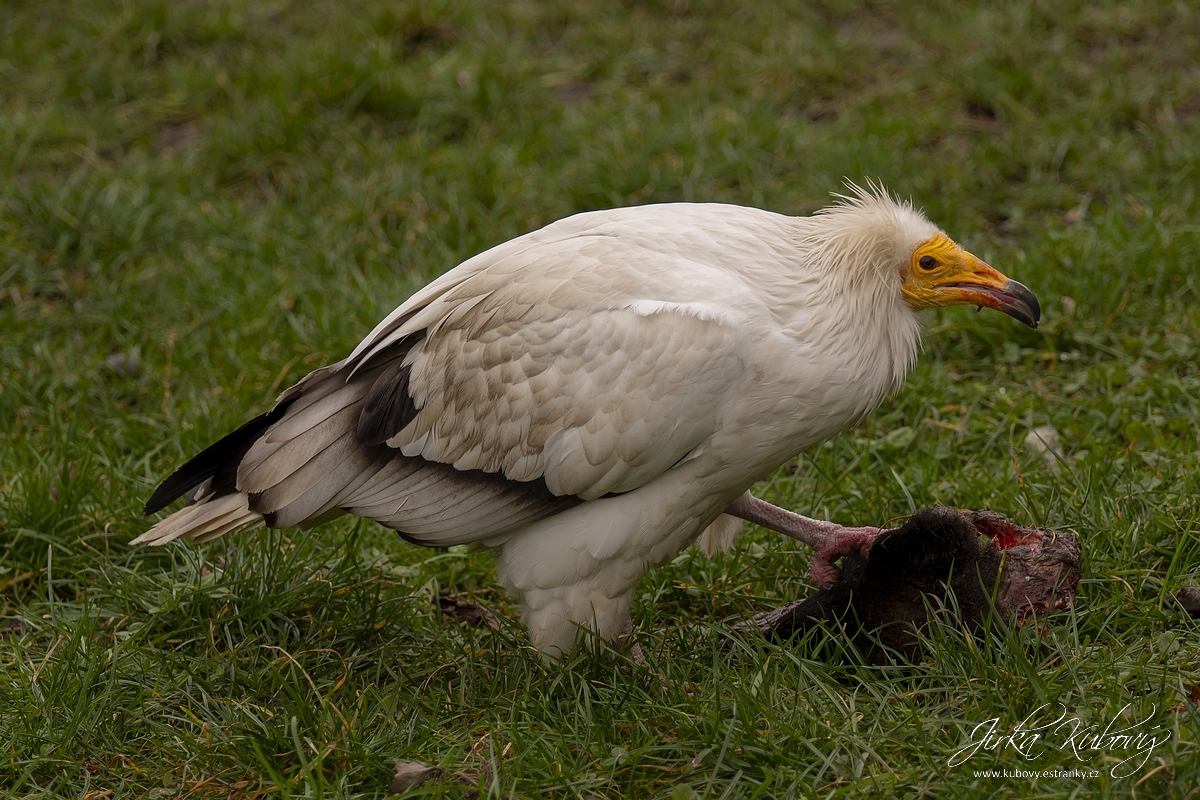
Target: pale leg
(626, 640)
(828, 540)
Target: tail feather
(218, 461)
(203, 521)
(242, 523)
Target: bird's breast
(808, 385)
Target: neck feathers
(855, 252)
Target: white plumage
(588, 398)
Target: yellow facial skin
(940, 273)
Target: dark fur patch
(882, 599)
(218, 461)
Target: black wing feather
(388, 406)
(218, 461)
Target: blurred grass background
(201, 201)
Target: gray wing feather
(551, 370)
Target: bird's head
(940, 273)
(869, 233)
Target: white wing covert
(506, 391)
(567, 369)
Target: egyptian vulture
(589, 398)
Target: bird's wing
(567, 364)
(554, 375)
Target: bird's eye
(927, 262)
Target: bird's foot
(626, 641)
(838, 541)
(828, 540)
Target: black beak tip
(1025, 307)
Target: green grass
(225, 195)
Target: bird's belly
(581, 567)
(642, 529)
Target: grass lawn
(201, 201)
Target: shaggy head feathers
(867, 234)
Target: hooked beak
(1011, 297)
(974, 282)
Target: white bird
(588, 398)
